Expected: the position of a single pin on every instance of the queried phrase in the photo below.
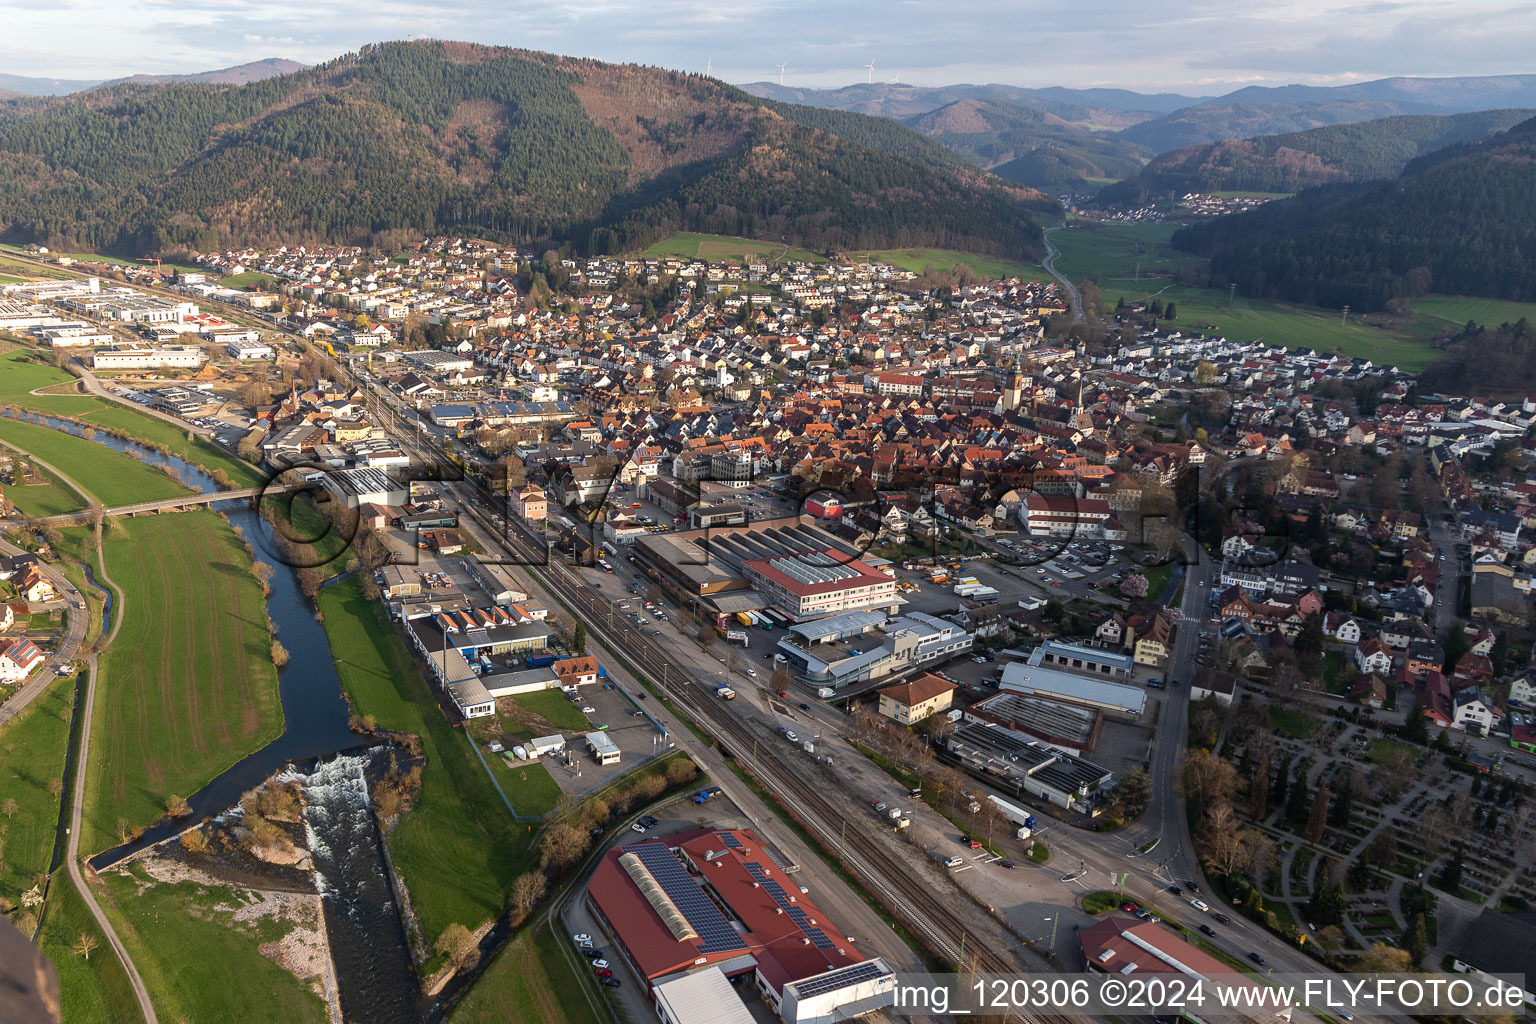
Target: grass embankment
(457, 850)
(32, 751)
(688, 245)
(530, 982)
(555, 708)
(919, 260)
(93, 990)
(114, 478)
(248, 278)
(198, 962)
(188, 686)
(51, 497)
(319, 543)
(20, 375)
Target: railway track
(904, 893)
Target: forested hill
(1457, 221)
(1297, 160)
(402, 139)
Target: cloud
(1193, 45)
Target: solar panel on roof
(730, 841)
(714, 931)
(796, 914)
(840, 978)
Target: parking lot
(623, 718)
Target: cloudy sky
(1192, 46)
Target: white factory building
(124, 357)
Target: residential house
(1342, 626)
(18, 658)
(1372, 657)
(1473, 711)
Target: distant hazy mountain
(1161, 122)
(1297, 160)
(889, 99)
(1261, 110)
(1029, 145)
(1445, 94)
(24, 86)
(1457, 220)
(240, 74)
(405, 139)
(255, 71)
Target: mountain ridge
(510, 143)
(1456, 221)
(1359, 151)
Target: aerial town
(978, 522)
(948, 590)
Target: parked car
(600, 964)
(637, 827)
(592, 954)
(1130, 906)
(581, 937)
(611, 982)
(603, 972)
(588, 710)
(648, 821)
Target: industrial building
(1065, 726)
(814, 584)
(709, 904)
(1025, 766)
(709, 569)
(460, 646)
(365, 486)
(497, 581)
(135, 357)
(1093, 661)
(860, 646)
(1112, 698)
(1123, 946)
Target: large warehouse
(727, 569)
(709, 903)
(1024, 765)
(1053, 683)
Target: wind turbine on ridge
(870, 67)
(781, 68)
(709, 66)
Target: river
(368, 943)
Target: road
(77, 802)
(1049, 263)
(95, 387)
